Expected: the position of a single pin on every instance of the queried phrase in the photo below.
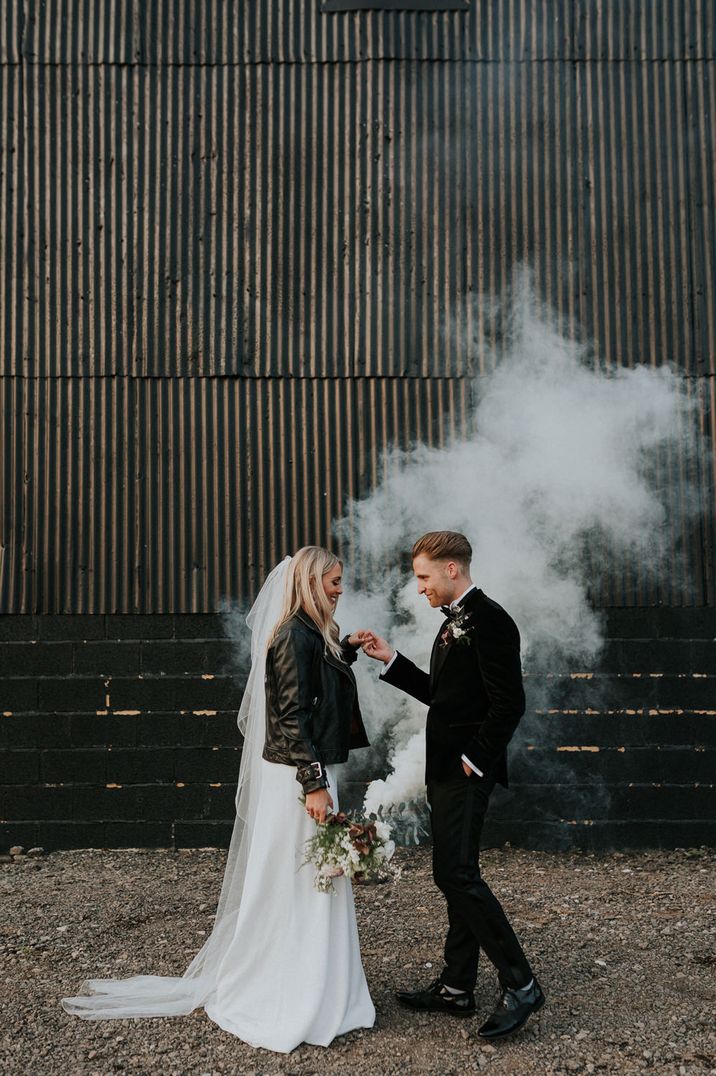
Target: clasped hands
(372, 645)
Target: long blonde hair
(304, 590)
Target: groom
(475, 699)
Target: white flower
(456, 627)
(333, 852)
(383, 830)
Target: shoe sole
(512, 1030)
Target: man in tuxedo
(475, 698)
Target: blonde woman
(282, 965)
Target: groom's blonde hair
(444, 545)
(304, 590)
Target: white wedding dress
(292, 971)
(282, 965)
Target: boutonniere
(457, 629)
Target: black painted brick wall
(117, 731)
(121, 731)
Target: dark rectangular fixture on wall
(395, 5)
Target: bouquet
(359, 848)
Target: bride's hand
(377, 648)
(358, 638)
(318, 804)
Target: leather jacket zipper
(335, 664)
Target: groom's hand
(377, 648)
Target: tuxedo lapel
(438, 656)
(433, 657)
(442, 649)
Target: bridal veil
(158, 995)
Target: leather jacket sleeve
(293, 667)
(348, 650)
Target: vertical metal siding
(12, 198)
(164, 494)
(228, 227)
(651, 30)
(11, 17)
(131, 253)
(342, 220)
(165, 32)
(700, 128)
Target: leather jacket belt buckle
(312, 772)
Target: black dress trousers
(476, 920)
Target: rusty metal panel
(248, 192)
(169, 227)
(701, 126)
(646, 266)
(292, 220)
(296, 31)
(288, 31)
(651, 30)
(12, 198)
(11, 16)
(69, 494)
(134, 219)
(632, 241)
(81, 31)
(277, 221)
(700, 98)
(166, 494)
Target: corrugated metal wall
(295, 31)
(227, 227)
(162, 494)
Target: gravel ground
(625, 946)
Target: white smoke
(553, 484)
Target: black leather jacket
(312, 715)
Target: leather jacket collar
(328, 654)
(308, 621)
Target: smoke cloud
(555, 484)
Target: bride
(282, 964)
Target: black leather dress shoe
(513, 1010)
(435, 998)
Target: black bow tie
(449, 612)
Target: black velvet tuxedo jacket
(474, 692)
